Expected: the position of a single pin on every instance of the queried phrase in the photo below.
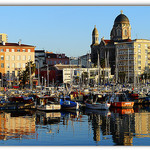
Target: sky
(68, 29)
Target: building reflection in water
(17, 125)
(142, 121)
(100, 119)
(122, 126)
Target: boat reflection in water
(17, 125)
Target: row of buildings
(50, 67)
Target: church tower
(94, 45)
(95, 36)
(121, 29)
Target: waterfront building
(14, 56)
(133, 58)
(74, 73)
(13, 59)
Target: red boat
(121, 101)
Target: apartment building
(132, 59)
(14, 56)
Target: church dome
(121, 19)
(95, 31)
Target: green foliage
(25, 75)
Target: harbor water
(123, 127)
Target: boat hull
(122, 104)
(51, 107)
(98, 106)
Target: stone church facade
(121, 32)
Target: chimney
(3, 43)
(19, 43)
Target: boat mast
(128, 65)
(116, 65)
(108, 65)
(98, 64)
(105, 68)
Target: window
(125, 32)
(139, 68)
(29, 50)
(118, 32)
(18, 50)
(2, 65)
(7, 57)
(29, 57)
(23, 57)
(146, 51)
(12, 50)
(13, 65)
(18, 65)
(54, 62)
(2, 57)
(139, 62)
(139, 45)
(7, 50)
(139, 56)
(2, 50)
(24, 65)
(18, 57)
(139, 51)
(23, 50)
(65, 61)
(13, 57)
(8, 65)
(146, 46)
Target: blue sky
(68, 29)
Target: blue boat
(67, 104)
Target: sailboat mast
(116, 65)
(98, 64)
(108, 65)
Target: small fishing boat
(67, 104)
(48, 103)
(97, 102)
(121, 100)
(97, 105)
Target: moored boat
(97, 106)
(121, 101)
(67, 104)
(48, 103)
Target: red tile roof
(15, 44)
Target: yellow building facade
(132, 58)
(14, 56)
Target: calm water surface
(84, 128)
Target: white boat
(97, 106)
(48, 103)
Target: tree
(25, 75)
